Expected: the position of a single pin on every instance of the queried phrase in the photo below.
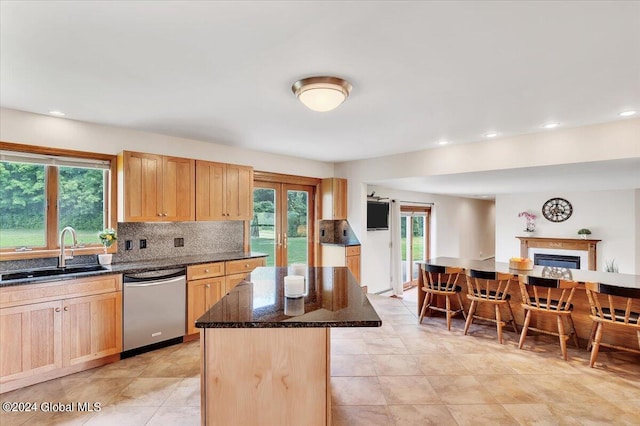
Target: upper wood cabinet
(223, 191)
(155, 188)
(334, 198)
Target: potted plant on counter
(107, 238)
(584, 232)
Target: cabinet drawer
(353, 250)
(206, 270)
(63, 289)
(244, 265)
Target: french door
(282, 225)
(414, 229)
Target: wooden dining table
(581, 309)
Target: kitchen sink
(50, 272)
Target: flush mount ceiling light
(627, 113)
(57, 113)
(321, 93)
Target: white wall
(460, 227)
(610, 215)
(43, 130)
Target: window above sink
(42, 190)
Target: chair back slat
(488, 284)
(618, 305)
(440, 278)
(548, 294)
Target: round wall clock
(557, 210)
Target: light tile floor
(399, 374)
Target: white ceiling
(421, 71)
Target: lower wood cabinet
(209, 282)
(201, 296)
(349, 256)
(59, 336)
(91, 327)
(31, 337)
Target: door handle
(285, 240)
(278, 243)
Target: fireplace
(560, 261)
(586, 249)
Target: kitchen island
(265, 358)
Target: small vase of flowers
(530, 218)
(107, 237)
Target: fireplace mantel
(561, 244)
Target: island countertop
(332, 298)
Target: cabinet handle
(160, 214)
(66, 308)
(208, 285)
(164, 214)
(206, 270)
(57, 309)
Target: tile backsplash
(160, 238)
(195, 237)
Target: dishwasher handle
(156, 282)
(153, 275)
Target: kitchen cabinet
(201, 296)
(337, 255)
(92, 327)
(31, 338)
(223, 191)
(207, 283)
(57, 328)
(155, 188)
(352, 255)
(334, 198)
(205, 286)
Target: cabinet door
(201, 295)
(334, 199)
(142, 187)
(92, 327)
(353, 263)
(210, 190)
(233, 280)
(178, 199)
(239, 192)
(31, 337)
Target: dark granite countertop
(138, 266)
(333, 298)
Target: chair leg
(574, 332)
(563, 338)
(448, 307)
(592, 335)
(525, 328)
(464, 314)
(513, 319)
(596, 345)
(425, 304)
(472, 310)
(499, 323)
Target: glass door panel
(414, 230)
(297, 236)
(264, 225)
(418, 243)
(281, 225)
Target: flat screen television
(377, 215)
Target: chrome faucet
(62, 259)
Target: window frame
(52, 233)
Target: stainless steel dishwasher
(154, 307)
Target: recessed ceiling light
(484, 196)
(491, 134)
(443, 142)
(551, 125)
(57, 113)
(627, 113)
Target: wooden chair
(614, 306)
(493, 288)
(441, 281)
(548, 296)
